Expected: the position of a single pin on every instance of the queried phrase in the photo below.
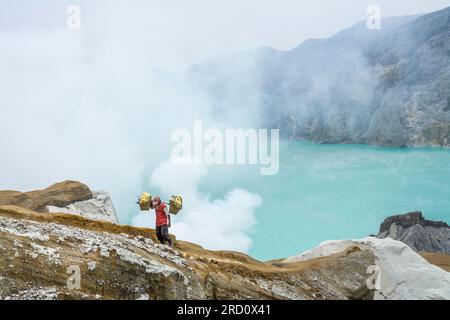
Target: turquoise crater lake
(324, 192)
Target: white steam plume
(214, 223)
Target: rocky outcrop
(100, 207)
(409, 220)
(87, 255)
(417, 232)
(70, 197)
(59, 194)
(42, 254)
(399, 272)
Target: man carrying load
(162, 221)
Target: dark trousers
(162, 232)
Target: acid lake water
(324, 192)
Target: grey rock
(417, 232)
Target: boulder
(403, 274)
(100, 208)
(59, 194)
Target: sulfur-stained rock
(417, 232)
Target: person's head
(156, 201)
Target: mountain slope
(39, 251)
(402, 274)
(384, 87)
(70, 197)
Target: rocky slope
(39, 252)
(383, 87)
(100, 207)
(50, 255)
(417, 232)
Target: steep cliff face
(417, 232)
(41, 254)
(412, 94)
(383, 87)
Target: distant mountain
(385, 87)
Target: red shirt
(161, 218)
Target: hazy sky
(190, 30)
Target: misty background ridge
(383, 87)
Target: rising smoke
(99, 106)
